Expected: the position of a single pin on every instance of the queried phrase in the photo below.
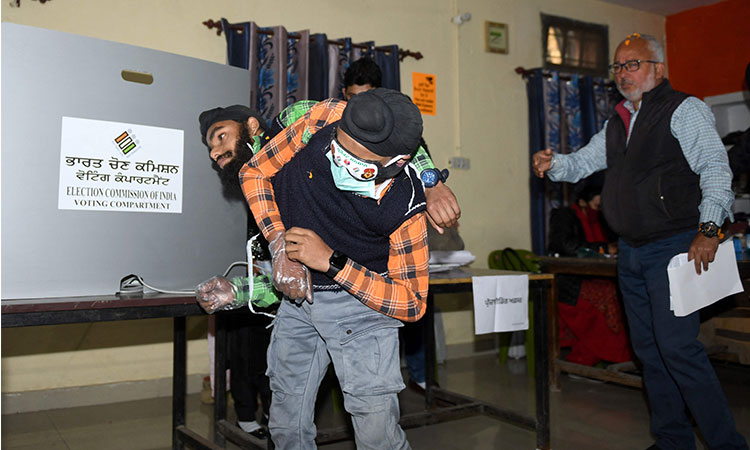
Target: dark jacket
(650, 192)
(356, 226)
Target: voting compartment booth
(103, 170)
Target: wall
(708, 48)
(481, 113)
(492, 129)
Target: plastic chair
(517, 260)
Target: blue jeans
(363, 345)
(677, 373)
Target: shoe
(260, 433)
(252, 428)
(415, 387)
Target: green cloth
(264, 294)
(422, 161)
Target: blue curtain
(318, 64)
(389, 63)
(284, 70)
(278, 64)
(340, 56)
(565, 111)
(535, 97)
(238, 44)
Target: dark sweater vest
(650, 192)
(357, 226)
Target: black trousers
(247, 339)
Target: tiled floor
(584, 415)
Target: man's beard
(635, 95)
(229, 175)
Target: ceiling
(663, 7)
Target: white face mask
(362, 169)
(346, 182)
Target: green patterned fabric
(291, 113)
(264, 294)
(422, 161)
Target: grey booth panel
(48, 252)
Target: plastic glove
(216, 294)
(290, 278)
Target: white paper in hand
(690, 292)
(501, 303)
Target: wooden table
(56, 311)
(460, 280)
(595, 267)
(440, 405)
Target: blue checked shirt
(693, 125)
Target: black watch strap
(336, 263)
(708, 229)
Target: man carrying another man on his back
(349, 189)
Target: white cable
(186, 292)
(226, 272)
(232, 266)
(164, 291)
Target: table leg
(220, 377)
(541, 364)
(179, 379)
(429, 350)
(553, 335)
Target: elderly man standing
(667, 191)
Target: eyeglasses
(631, 66)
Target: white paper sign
(690, 292)
(114, 166)
(501, 303)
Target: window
(574, 46)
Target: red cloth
(591, 222)
(594, 327)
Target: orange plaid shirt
(403, 293)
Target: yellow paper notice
(424, 96)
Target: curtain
(339, 59)
(318, 63)
(565, 111)
(278, 64)
(389, 62)
(285, 70)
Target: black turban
(238, 113)
(384, 121)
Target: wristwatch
(336, 263)
(431, 177)
(708, 229)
